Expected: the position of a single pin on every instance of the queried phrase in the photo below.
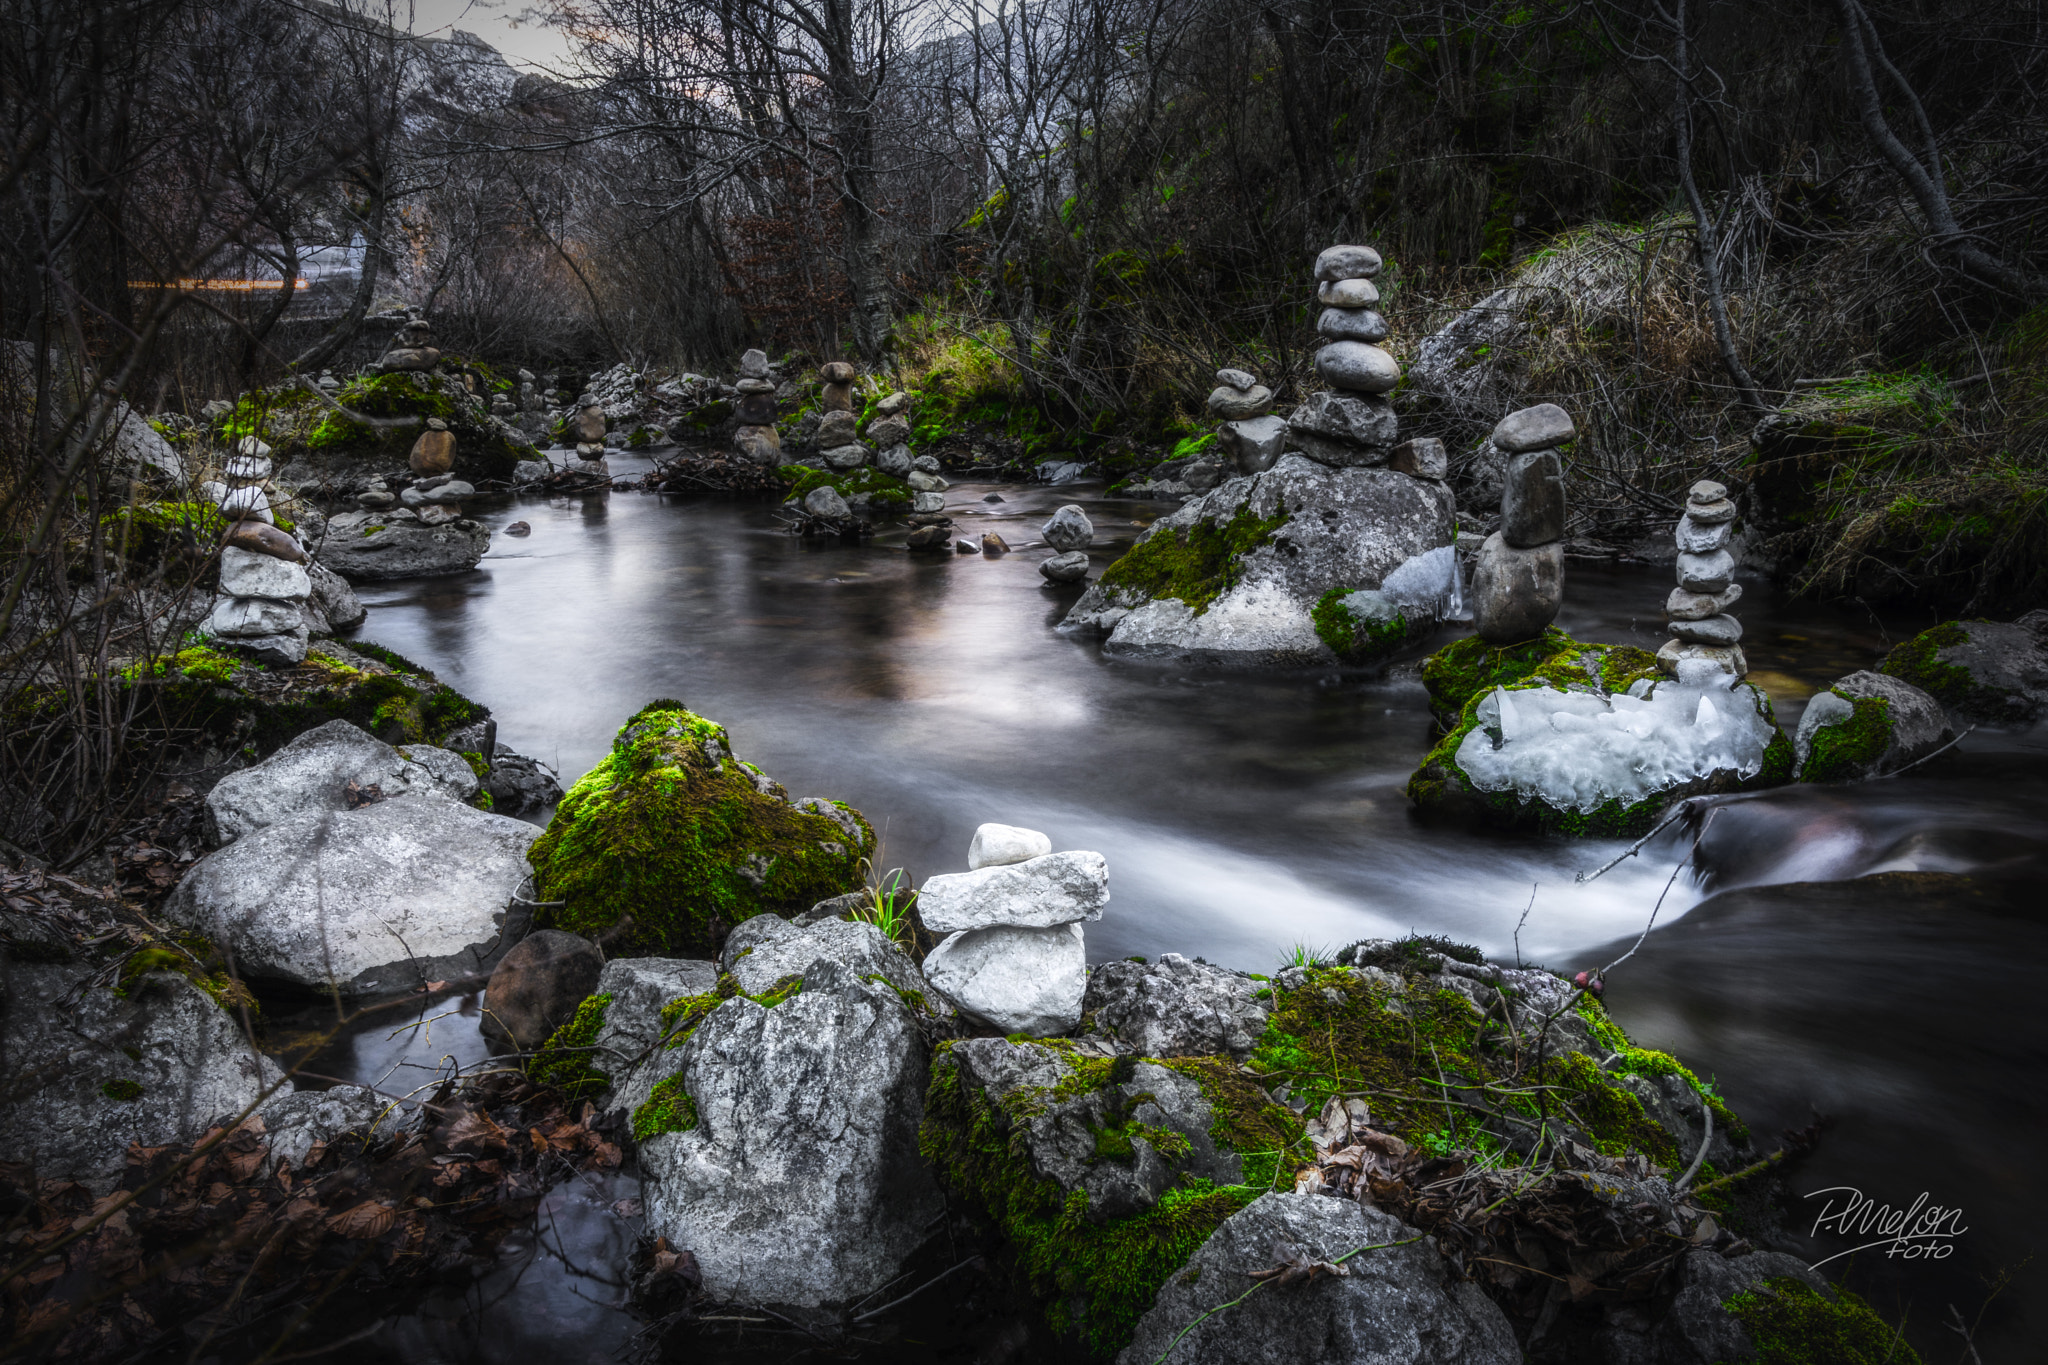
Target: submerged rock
(783, 1150)
(1989, 671)
(370, 901)
(1395, 1305)
(1235, 577)
(1866, 725)
(674, 832)
(89, 1071)
(536, 988)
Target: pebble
(992, 497)
(993, 544)
(1352, 324)
(965, 547)
(1348, 294)
(1358, 367)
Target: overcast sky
(514, 27)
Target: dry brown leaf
(364, 1222)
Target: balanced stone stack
(240, 494)
(437, 499)
(837, 393)
(1518, 579)
(587, 428)
(1014, 957)
(412, 348)
(756, 438)
(434, 451)
(1250, 434)
(1698, 606)
(263, 590)
(1356, 424)
(1070, 533)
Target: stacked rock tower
(1518, 579)
(1356, 424)
(263, 580)
(1250, 435)
(755, 436)
(1698, 606)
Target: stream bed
(1245, 816)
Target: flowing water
(1243, 816)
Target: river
(1243, 816)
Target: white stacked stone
(1355, 425)
(1014, 956)
(261, 605)
(1698, 607)
(1250, 434)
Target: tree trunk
(344, 331)
(853, 127)
(252, 343)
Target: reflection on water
(1239, 815)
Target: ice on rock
(1577, 751)
(1431, 583)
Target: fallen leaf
(364, 1222)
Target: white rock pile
(264, 584)
(1698, 606)
(1518, 579)
(1014, 956)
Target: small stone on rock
(1071, 567)
(1069, 529)
(1533, 428)
(1347, 294)
(1347, 263)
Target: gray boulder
(1516, 593)
(1068, 529)
(837, 429)
(536, 987)
(844, 457)
(1866, 725)
(1420, 457)
(134, 444)
(1175, 1008)
(1060, 1138)
(86, 1072)
(825, 501)
(1350, 419)
(313, 773)
(1027, 981)
(375, 900)
(1070, 567)
(1357, 366)
(375, 546)
(1346, 529)
(759, 954)
(1394, 1305)
(799, 1186)
(520, 785)
(895, 460)
(1037, 893)
(624, 1051)
(1352, 324)
(889, 431)
(1990, 671)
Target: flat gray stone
(1357, 366)
(1698, 606)
(1352, 324)
(242, 617)
(376, 900)
(1350, 418)
(1037, 893)
(1027, 981)
(1719, 629)
(844, 457)
(1236, 379)
(996, 845)
(1347, 263)
(1706, 573)
(376, 546)
(1070, 567)
(313, 771)
(1395, 1305)
(1351, 293)
(1535, 428)
(1420, 457)
(1232, 404)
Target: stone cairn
(1698, 606)
(1013, 955)
(755, 437)
(1355, 426)
(1518, 579)
(1250, 435)
(412, 348)
(1070, 533)
(263, 579)
(586, 428)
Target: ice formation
(1430, 583)
(1578, 751)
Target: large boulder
(631, 993)
(1704, 1324)
(332, 767)
(371, 546)
(370, 901)
(536, 988)
(1236, 576)
(1175, 1008)
(1586, 739)
(767, 950)
(783, 1151)
(1988, 671)
(1392, 1305)
(673, 831)
(1866, 725)
(88, 1070)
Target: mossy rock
(866, 487)
(1194, 564)
(1363, 626)
(671, 840)
(377, 418)
(1464, 673)
(152, 535)
(1789, 1322)
(1982, 670)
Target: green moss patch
(1917, 661)
(564, 1061)
(1791, 1323)
(671, 833)
(1847, 749)
(1193, 564)
(881, 490)
(1356, 636)
(123, 1090)
(669, 1109)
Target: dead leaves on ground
(217, 1234)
